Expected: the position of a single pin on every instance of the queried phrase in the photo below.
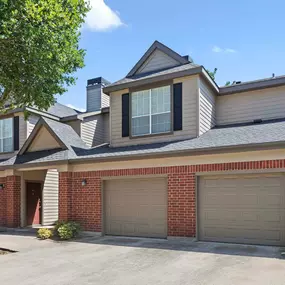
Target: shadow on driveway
(189, 246)
(149, 243)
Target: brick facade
(2, 203)
(84, 203)
(10, 201)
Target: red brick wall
(10, 201)
(13, 201)
(65, 198)
(2, 203)
(84, 203)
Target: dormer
(159, 99)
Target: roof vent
(188, 58)
(257, 121)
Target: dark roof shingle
(267, 133)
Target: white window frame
(1, 139)
(150, 113)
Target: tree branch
(4, 97)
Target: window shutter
(125, 115)
(177, 106)
(16, 133)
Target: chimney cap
(97, 81)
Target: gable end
(142, 63)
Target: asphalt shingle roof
(61, 110)
(222, 137)
(66, 134)
(154, 74)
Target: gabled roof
(157, 45)
(64, 134)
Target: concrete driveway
(126, 261)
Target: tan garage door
(242, 209)
(136, 207)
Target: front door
(34, 198)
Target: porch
(29, 198)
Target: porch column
(12, 190)
(65, 196)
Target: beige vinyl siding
(157, 60)
(106, 128)
(22, 135)
(50, 198)
(105, 100)
(43, 140)
(207, 107)
(92, 130)
(32, 120)
(22, 129)
(189, 120)
(76, 125)
(248, 106)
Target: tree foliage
(213, 73)
(39, 49)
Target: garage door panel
(142, 210)
(252, 210)
(272, 200)
(242, 235)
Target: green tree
(39, 49)
(212, 73)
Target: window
(151, 111)
(6, 135)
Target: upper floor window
(6, 135)
(151, 111)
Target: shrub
(58, 224)
(67, 230)
(44, 233)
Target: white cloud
(223, 50)
(230, 50)
(216, 49)
(101, 17)
(76, 108)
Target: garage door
(136, 207)
(242, 209)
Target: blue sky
(244, 39)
